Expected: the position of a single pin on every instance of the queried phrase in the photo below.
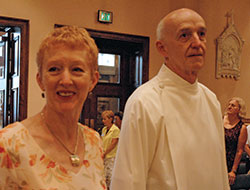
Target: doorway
(123, 65)
(13, 69)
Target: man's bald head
(166, 22)
(181, 40)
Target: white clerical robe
(171, 138)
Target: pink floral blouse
(23, 164)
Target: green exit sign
(105, 16)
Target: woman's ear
(161, 47)
(94, 80)
(39, 81)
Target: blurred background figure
(235, 135)
(247, 149)
(110, 137)
(118, 119)
(52, 150)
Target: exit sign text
(105, 16)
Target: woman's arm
(240, 148)
(111, 146)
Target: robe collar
(169, 78)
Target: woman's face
(233, 107)
(66, 78)
(107, 121)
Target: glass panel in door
(1, 108)
(3, 80)
(109, 68)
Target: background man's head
(118, 119)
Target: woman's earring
(43, 95)
(90, 93)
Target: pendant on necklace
(75, 160)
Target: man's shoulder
(206, 90)
(147, 98)
(147, 89)
(209, 95)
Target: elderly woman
(110, 137)
(235, 135)
(51, 150)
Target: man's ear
(39, 81)
(162, 49)
(94, 80)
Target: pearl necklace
(74, 158)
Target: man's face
(185, 43)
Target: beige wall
(214, 12)
(134, 17)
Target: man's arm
(135, 149)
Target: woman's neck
(62, 124)
(232, 119)
(109, 126)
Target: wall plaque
(229, 47)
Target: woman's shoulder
(244, 127)
(89, 132)
(114, 128)
(11, 129)
(12, 136)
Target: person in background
(247, 150)
(52, 150)
(118, 119)
(172, 135)
(110, 137)
(235, 135)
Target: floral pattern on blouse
(24, 166)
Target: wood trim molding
(246, 121)
(24, 60)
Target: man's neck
(189, 77)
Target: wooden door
(14, 46)
(117, 82)
(3, 79)
(10, 61)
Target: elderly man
(172, 133)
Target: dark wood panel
(246, 121)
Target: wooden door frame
(24, 60)
(133, 40)
(142, 40)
